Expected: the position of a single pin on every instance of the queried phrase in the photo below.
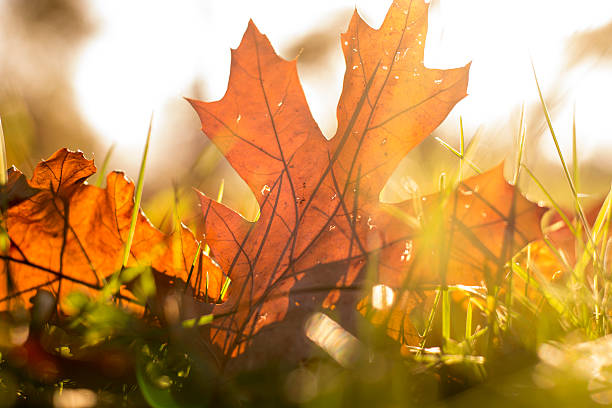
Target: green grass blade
(221, 189)
(138, 198)
(461, 147)
(522, 136)
(207, 286)
(199, 321)
(219, 200)
(563, 164)
(600, 233)
(430, 319)
(468, 320)
(446, 317)
(3, 164)
(193, 264)
(102, 172)
(4, 238)
(575, 175)
(606, 223)
(603, 218)
(459, 155)
(225, 287)
(552, 132)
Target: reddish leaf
(321, 221)
(484, 222)
(318, 199)
(467, 238)
(66, 234)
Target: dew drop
(346, 43)
(280, 103)
(467, 206)
(437, 81)
(384, 67)
(371, 225)
(265, 189)
(354, 49)
(397, 77)
(465, 191)
(355, 67)
(384, 141)
(484, 214)
(332, 227)
(238, 118)
(407, 254)
(334, 196)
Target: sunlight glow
(74, 398)
(589, 361)
(341, 345)
(19, 334)
(501, 39)
(382, 297)
(139, 62)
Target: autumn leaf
(321, 223)
(466, 237)
(318, 199)
(67, 235)
(484, 221)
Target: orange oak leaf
(481, 224)
(66, 235)
(466, 237)
(319, 200)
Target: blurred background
(87, 74)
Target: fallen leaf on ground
(67, 235)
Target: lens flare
(341, 345)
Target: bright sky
(148, 53)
